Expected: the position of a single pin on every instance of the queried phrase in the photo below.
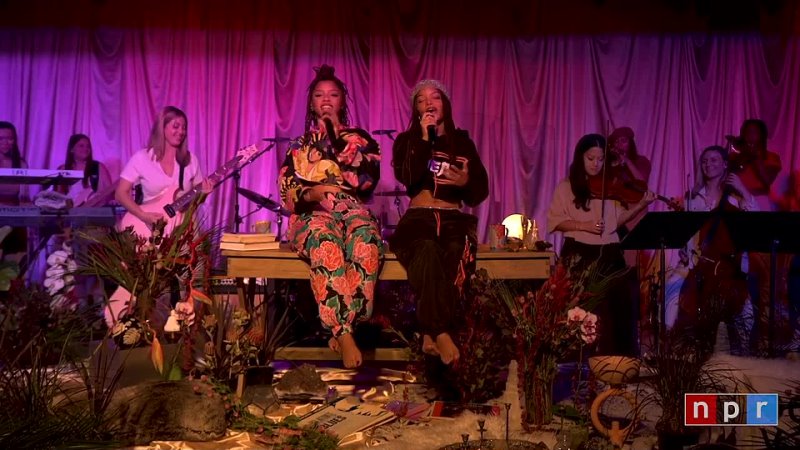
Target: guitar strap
(180, 176)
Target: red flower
(328, 316)
(328, 255)
(366, 255)
(348, 283)
(319, 284)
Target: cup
(262, 227)
(497, 236)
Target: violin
(624, 191)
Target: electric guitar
(174, 205)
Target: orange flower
(328, 255)
(319, 285)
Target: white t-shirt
(143, 169)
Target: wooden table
(285, 264)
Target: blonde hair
(157, 141)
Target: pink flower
(576, 314)
(589, 328)
(328, 255)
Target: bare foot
(447, 348)
(428, 346)
(333, 344)
(351, 355)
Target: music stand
(660, 231)
(765, 232)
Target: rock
(303, 380)
(167, 411)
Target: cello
(715, 289)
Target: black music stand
(765, 232)
(660, 231)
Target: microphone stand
(236, 174)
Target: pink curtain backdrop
(525, 101)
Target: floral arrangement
(549, 325)
(150, 268)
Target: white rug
(765, 375)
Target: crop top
(411, 157)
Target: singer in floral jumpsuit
(326, 175)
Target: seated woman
(436, 242)
(97, 179)
(590, 232)
(15, 245)
(326, 175)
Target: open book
(347, 419)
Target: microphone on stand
(93, 174)
(277, 139)
(386, 132)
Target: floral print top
(352, 162)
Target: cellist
(714, 182)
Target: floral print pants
(342, 242)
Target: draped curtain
(524, 100)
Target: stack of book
(249, 241)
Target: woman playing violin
(589, 224)
(714, 182)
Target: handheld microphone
(93, 174)
(386, 132)
(331, 135)
(432, 134)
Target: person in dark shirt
(436, 242)
(326, 175)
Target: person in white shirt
(590, 225)
(80, 157)
(714, 183)
(164, 167)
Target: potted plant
(239, 345)
(682, 367)
(150, 268)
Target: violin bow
(603, 175)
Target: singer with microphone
(435, 241)
(326, 175)
(97, 178)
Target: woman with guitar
(326, 175)
(96, 188)
(706, 267)
(164, 169)
(589, 220)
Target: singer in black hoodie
(326, 175)
(436, 242)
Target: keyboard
(31, 216)
(45, 177)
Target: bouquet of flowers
(547, 326)
(149, 268)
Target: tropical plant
(50, 397)
(236, 339)
(683, 367)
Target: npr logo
(730, 409)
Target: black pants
(437, 248)
(615, 311)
